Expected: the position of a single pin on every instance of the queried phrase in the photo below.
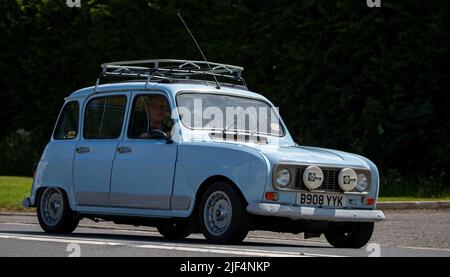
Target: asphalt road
(404, 233)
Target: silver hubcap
(217, 214)
(51, 206)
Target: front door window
(150, 112)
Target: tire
(54, 213)
(352, 235)
(222, 215)
(179, 230)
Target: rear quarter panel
(55, 167)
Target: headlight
(347, 179)
(313, 177)
(283, 177)
(361, 184)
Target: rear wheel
(350, 235)
(54, 213)
(178, 230)
(223, 216)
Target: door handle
(83, 149)
(124, 149)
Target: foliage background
(373, 81)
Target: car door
(94, 155)
(143, 170)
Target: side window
(93, 117)
(149, 112)
(67, 126)
(104, 117)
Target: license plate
(322, 200)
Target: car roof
(171, 88)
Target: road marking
(424, 248)
(149, 232)
(260, 251)
(272, 251)
(173, 247)
(287, 240)
(55, 239)
(18, 223)
(221, 251)
(88, 227)
(250, 237)
(282, 253)
(154, 232)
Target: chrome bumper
(294, 212)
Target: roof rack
(170, 70)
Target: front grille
(330, 179)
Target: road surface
(404, 233)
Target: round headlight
(361, 184)
(347, 179)
(313, 177)
(283, 177)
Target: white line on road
(257, 253)
(173, 247)
(259, 238)
(250, 237)
(55, 239)
(151, 232)
(115, 229)
(18, 223)
(282, 253)
(424, 248)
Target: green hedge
(370, 81)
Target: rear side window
(103, 117)
(67, 126)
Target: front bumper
(295, 212)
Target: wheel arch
(209, 182)
(39, 191)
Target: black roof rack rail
(169, 69)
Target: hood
(312, 155)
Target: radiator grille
(330, 179)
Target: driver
(159, 115)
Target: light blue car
(155, 150)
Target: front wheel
(223, 216)
(350, 235)
(54, 213)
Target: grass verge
(12, 192)
(397, 199)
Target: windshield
(227, 113)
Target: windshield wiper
(226, 128)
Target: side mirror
(159, 134)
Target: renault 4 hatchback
(163, 150)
